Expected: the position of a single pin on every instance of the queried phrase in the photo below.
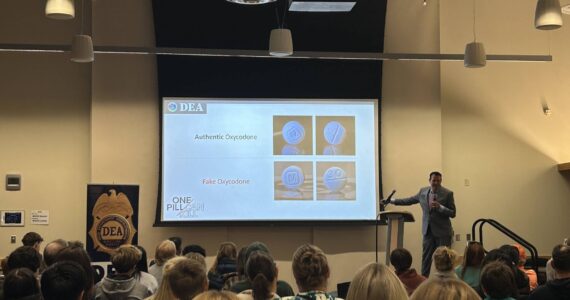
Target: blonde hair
(310, 268)
(187, 278)
(216, 295)
(164, 291)
(164, 251)
(376, 281)
(197, 257)
(227, 249)
(444, 259)
(444, 289)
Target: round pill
(290, 150)
(292, 177)
(334, 132)
(293, 132)
(334, 179)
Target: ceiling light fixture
(82, 45)
(548, 15)
(280, 39)
(475, 56)
(251, 2)
(60, 9)
(320, 6)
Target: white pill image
(334, 133)
(292, 177)
(293, 132)
(334, 179)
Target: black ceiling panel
(218, 24)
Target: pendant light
(60, 9)
(475, 56)
(82, 45)
(280, 39)
(548, 15)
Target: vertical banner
(112, 218)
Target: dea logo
(112, 222)
(172, 106)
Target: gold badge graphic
(112, 222)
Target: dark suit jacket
(438, 220)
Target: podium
(395, 236)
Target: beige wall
(63, 125)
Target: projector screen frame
(158, 222)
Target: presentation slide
(269, 160)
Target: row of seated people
(252, 274)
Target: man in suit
(438, 207)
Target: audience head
(76, 253)
(261, 271)
(561, 261)
(444, 289)
(217, 295)
(240, 261)
(197, 257)
(401, 259)
(32, 239)
(21, 283)
(164, 291)
(473, 256)
(125, 259)
(512, 252)
(194, 248)
(522, 254)
(376, 281)
(444, 259)
(178, 243)
(498, 280)
(52, 249)
(164, 251)
(142, 264)
(187, 278)
(310, 268)
(63, 280)
(226, 250)
(497, 255)
(24, 257)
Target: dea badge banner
(112, 218)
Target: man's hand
(435, 204)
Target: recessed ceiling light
(566, 9)
(251, 2)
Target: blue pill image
(334, 179)
(332, 150)
(291, 150)
(334, 133)
(292, 177)
(293, 132)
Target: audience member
(283, 288)
(558, 288)
(164, 291)
(52, 249)
(24, 257)
(123, 284)
(470, 269)
(216, 295)
(164, 251)
(142, 265)
(197, 257)
(20, 284)
(76, 253)
(311, 272)
(550, 272)
(444, 289)
(187, 278)
(401, 259)
(444, 262)
(498, 281)
(178, 243)
(497, 255)
(530, 273)
(376, 281)
(194, 248)
(240, 270)
(262, 273)
(32, 239)
(64, 281)
(224, 265)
